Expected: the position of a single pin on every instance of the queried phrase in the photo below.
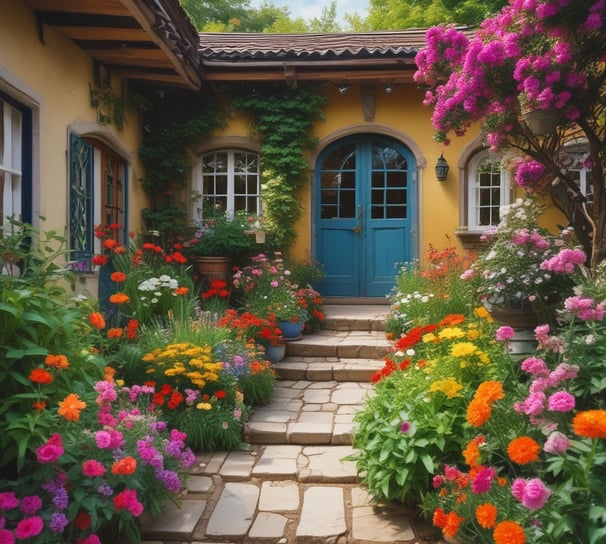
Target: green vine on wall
(173, 122)
(284, 119)
(110, 108)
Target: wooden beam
(334, 75)
(103, 34)
(106, 7)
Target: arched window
(488, 189)
(228, 181)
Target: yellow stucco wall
(402, 116)
(52, 77)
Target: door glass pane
(388, 183)
(343, 158)
(338, 184)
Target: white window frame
(473, 189)
(230, 175)
(11, 162)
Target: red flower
(100, 260)
(41, 376)
(220, 394)
(82, 521)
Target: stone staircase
(292, 485)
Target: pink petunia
(504, 333)
(92, 468)
(561, 401)
(29, 527)
(51, 450)
(556, 443)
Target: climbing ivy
(284, 119)
(173, 122)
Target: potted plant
(512, 275)
(219, 243)
(267, 290)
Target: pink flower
(8, 500)
(556, 443)
(6, 537)
(51, 450)
(535, 366)
(92, 468)
(29, 527)
(562, 401)
(504, 333)
(31, 504)
(535, 494)
(405, 426)
(437, 481)
(481, 483)
(90, 539)
(103, 440)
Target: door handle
(358, 228)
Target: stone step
(359, 317)
(307, 412)
(342, 344)
(277, 493)
(327, 369)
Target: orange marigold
(471, 453)
(439, 518)
(486, 515)
(125, 466)
(41, 376)
(70, 407)
(114, 333)
(108, 374)
(180, 291)
(39, 405)
(119, 298)
(590, 424)
(452, 524)
(451, 320)
(523, 450)
(478, 412)
(56, 361)
(118, 277)
(490, 391)
(96, 320)
(509, 532)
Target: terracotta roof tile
(217, 46)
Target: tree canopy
(535, 55)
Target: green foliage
(284, 119)
(40, 315)
(415, 419)
(173, 122)
(394, 14)
(424, 293)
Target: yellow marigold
(482, 313)
(590, 424)
(486, 515)
(483, 356)
(523, 450)
(429, 338)
(149, 357)
(478, 412)
(463, 349)
(449, 386)
(509, 532)
(473, 334)
(490, 391)
(450, 333)
(204, 406)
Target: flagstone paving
(292, 483)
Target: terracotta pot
(214, 268)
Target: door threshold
(356, 300)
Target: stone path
(292, 484)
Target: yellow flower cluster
(184, 361)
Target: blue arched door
(365, 214)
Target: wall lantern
(442, 168)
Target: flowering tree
(545, 55)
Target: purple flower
(556, 443)
(405, 427)
(504, 333)
(60, 498)
(562, 401)
(105, 490)
(535, 494)
(58, 522)
(170, 479)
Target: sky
(308, 9)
